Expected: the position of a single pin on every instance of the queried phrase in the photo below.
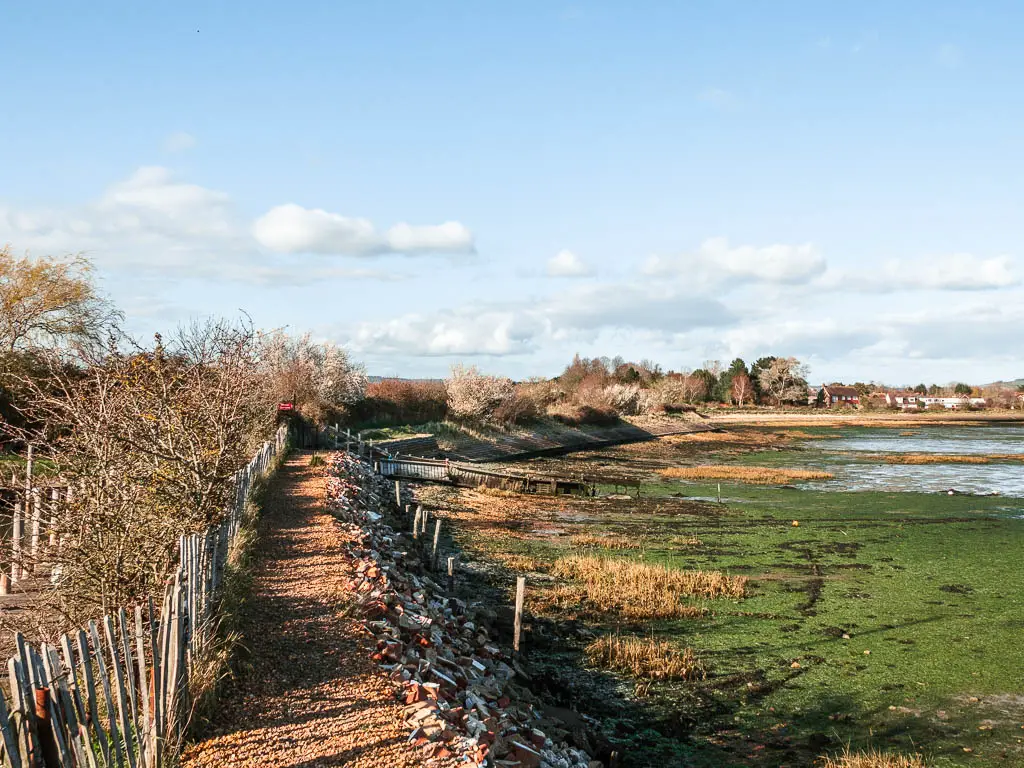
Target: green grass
(929, 584)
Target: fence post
(437, 538)
(520, 599)
(451, 575)
(416, 524)
(398, 494)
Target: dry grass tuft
(609, 541)
(503, 493)
(939, 458)
(650, 658)
(756, 475)
(640, 590)
(872, 759)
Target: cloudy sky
(510, 183)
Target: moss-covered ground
(876, 619)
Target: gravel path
(309, 694)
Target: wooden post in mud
(416, 524)
(16, 534)
(437, 538)
(425, 519)
(398, 494)
(719, 493)
(451, 575)
(520, 599)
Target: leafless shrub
(147, 440)
(403, 401)
(475, 396)
(318, 377)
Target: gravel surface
(308, 695)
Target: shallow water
(1004, 479)
(953, 440)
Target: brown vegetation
(872, 759)
(941, 458)
(641, 590)
(655, 659)
(402, 401)
(744, 474)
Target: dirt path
(310, 695)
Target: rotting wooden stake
(437, 538)
(416, 523)
(520, 599)
(398, 494)
(451, 575)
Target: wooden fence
(473, 477)
(116, 694)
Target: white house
(910, 400)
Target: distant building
(836, 395)
(903, 400)
(912, 400)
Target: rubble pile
(464, 701)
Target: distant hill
(1014, 383)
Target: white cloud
(291, 228)
(567, 264)
(519, 327)
(948, 272)
(716, 262)
(179, 142)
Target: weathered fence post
(520, 599)
(437, 538)
(398, 494)
(416, 524)
(16, 534)
(451, 575)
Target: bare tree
(741, 388)
(784, 380)
(47, 301)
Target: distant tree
(934, 390)
(47, 301)
(863, 390)
(921, 389)
(762, 364)
(784, 380)
(962, 389)
(741, 388)
(708, 384)
(475, 396)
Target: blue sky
(510, 183)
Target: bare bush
(475, 396)
(147, 440)
(403, 401)
(318, 378)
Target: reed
(745, 474)
(649, 658)
(872, 759)
(642, 590)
